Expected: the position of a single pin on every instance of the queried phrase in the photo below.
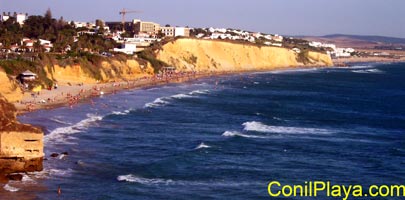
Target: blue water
(228, 137)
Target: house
(27, 76)
(46, 44)
(127, 48)
(278, 38)
(167, 31)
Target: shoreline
(71, 95)
(354, 60)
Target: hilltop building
(175, 31)
(19, 17)
(150, 28)
(168, 31)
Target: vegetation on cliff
(59, 32)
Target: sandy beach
(70, 95)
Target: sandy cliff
(210, 55)
(9, 89)
(105, 71)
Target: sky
(286, 17)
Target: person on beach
(59, 191)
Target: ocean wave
(159, 181)
(161, 101)
(239, 134)
(59, 135)
(47, 173)
(260, 127)
(9, 188)
(59, 121)
(125, 112)
(289, 71)
(202, 146)
(27, 179)
(180, 96)
(157, 102)
(359, 67)
(199, 92)
(146, 181)
(368, 71)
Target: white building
(20, 18)
(168, 31)
(182, 31)
(127, 48)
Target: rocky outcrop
(21, 145)
(214, 55)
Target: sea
(226, 137)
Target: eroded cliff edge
(21, 145)
(213, 55)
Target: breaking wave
(199, 92)
(161, 101)
(146, 181)
(368, 71)
(59, 135)
(157, 102)
(159, 181)
(10, 188)
(202, 146)
(238, 134)
(181, 96)
(125, 112)
(260, 127)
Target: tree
(48, 14)
(100, 26)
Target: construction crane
(123, 12)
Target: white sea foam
(157, 102)
(359, 67)
(10, 188)
(27, 179)
(202, 146)
(368, 71)
(146, 181)
(125, 112)
(238, 134)
(199, 92)
(260, 127)
(180, 96)
(290, 71)
(59, 135)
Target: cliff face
(8, 88)
(209, 55)
(105, 71)
(93, 71)
(21, 145)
